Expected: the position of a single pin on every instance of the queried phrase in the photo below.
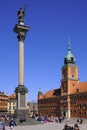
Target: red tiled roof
(12, 96)
(51, 93)
(80, 87)
(4, 94)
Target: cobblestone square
(49, 126)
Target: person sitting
(76, 127)
(66, 127)
(81, 121)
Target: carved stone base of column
(21, 97)
(21, 114)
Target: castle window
(80, 106)
(73, 84)
(85, 113)
(75, 103)
(80, 96)
(85, 106)
(74, 111)
(72, 76)
(77, 90)
(85, 96)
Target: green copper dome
(40, 90)
(69, 58)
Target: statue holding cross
(21, 14)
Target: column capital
(21, 36)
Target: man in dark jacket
(12, 123)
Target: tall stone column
(21, 59)
(21, 90)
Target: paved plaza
(48, 126)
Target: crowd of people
(3, 123)
(59, 119)
(67, 127)
(75, 127)
(41, 118)
(37, 117)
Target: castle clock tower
(69, 80)
(69, 72)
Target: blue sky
(51, 22)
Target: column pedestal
(21, 97)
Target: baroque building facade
(12, 103)
(70, 99)
(3, 103)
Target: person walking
(12, 123)
(2, 124)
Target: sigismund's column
(21, 91)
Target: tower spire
(69, 45)
(69, 59)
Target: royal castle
(68, 100)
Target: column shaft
(21, 63)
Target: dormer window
(72, 76)
(77, 90)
